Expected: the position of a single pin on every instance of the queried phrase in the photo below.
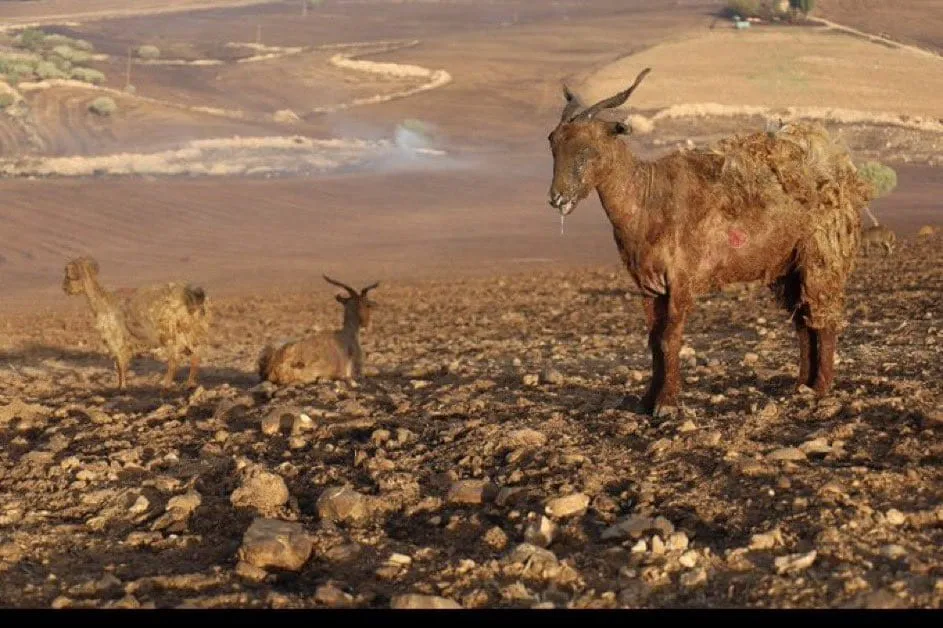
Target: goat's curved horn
(369, 288)
(572, 104)
(350, 290)
(612, 101)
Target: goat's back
(171, 315)
(323, 355)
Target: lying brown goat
(327, 355)
(780, 207)
(172, 317)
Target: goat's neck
(99, 299)
(622, 188)
(351, 326)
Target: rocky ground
(487, 460)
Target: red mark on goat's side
(737, 238)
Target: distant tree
(804, 6)
(882, 177)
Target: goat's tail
(195, 299)
(265, 361)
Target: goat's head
(76, 272)
(580, 144)
(357, 306)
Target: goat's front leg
(655, 317)
(194, 369)
(670, 313)
(121, 367)
(827, 338)
(171, 371)
(808, 362)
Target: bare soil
(456, 370)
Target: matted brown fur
(169, 318)
(325, 355)
(780, 207)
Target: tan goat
(325, 355)
(878, 236)
(172, 317)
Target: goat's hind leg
(168, 380)
(194, 370)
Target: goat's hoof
(665, 411)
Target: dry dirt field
(504, 360)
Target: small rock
(273, 543)
(790, 454)
(687, 426)
(380, 436)
(663, 525)
(262, 490)
(640, 547)
(525, 438)
(250, 572)
(767, 540)
(530, 379)
(658, 546)
(139, 506)
(496, 539)
(280, 419)
(400, 560)
(893, 551)
(508, 495)
(815, 446)
(417, 601)
(331, 596)
(525, 553)
(769, 412)
(688, 559)
(61, 602)
(342, 504)
(575, 504)
(750, 359)
(895, 517)
(633, 525)
(178, 509)
(471, 492)
(694, 578)
(794, 562)
(551, 376)
(540, 532)
(343, 553)
(678, 541)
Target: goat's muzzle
(562, 204)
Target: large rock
(263, 490)
(471, 492)
(343, 505)
(568, 506)
(270, 543)
(417, 601)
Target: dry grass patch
(778, 68)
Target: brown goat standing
(328, 355)
(171, 316)
(780, 207)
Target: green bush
(103, 106)
(31, 39)
(88, 75)
(881, 177)
(804, 6)
(48, 70)
(148, 52)
(81, 44)
(744, 8)
(63, 64)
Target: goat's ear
(619, 128)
